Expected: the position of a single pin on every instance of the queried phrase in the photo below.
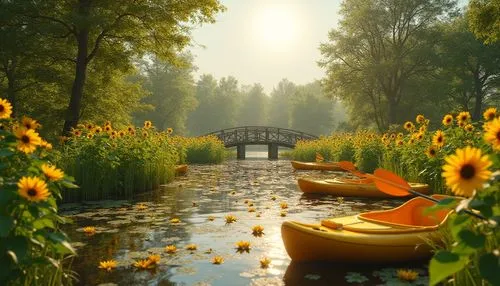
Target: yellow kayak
(350, 187)
(297, 165)
(395, 235)
(181, 170)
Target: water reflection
(126, 232)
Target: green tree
(311, 111)
(279, 104)
(253, 110)
(484, 19)
(172, 96)
(199, 120)
(470, 68)
(379, 47)
(117, 31)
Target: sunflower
(431, 151)
(28, 139)
(461, 124)
(147, 124)
(107, 123)
(217, 260)
(33, 189)
(170, 130)
(407, 274)
(5, 109)
(447, 120)
(438, 139)
(30, 123)
(490, 114)
(170, 249)
(89, 126)
(108, 265)
(52, 173)
(264, 262)
(409, 126)
(492, 133)
(400, 136)
(466, 170)
(46, 145)
(258, 230)
(108, 128)
(469, 127)
(420, 119)
(463, 116)
(90, 135)
(121, 133)
(97, 130)
(144, 133)
(76, 132)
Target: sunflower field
(33, 249)
(111, 163)
(459, 158)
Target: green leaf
(472, 239)
(18, 245)
(6, 225)
(68, 184)
(489, 267)
(448, 203)
(444, 264)
(459, 222)
(6, 153)
(61, 244)
(43, 223)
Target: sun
(276, 27)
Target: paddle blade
(390, 183)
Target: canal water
(253, 191)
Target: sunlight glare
(276, 26)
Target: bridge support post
(240, 152)
(272, 151)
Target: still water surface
(127, 232)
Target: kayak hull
(320, 166)
(385, 236)
(304, 242)
(344, 189)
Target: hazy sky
(263, 41)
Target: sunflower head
(33, 189)
(89, 126)
(97, 129)
(5, 109)
(108, 128)
(447, 120)
(76, 132)
(217, 260)
(463, 116)
(52, 173)
(492, 133)
(107, 265)
(468, 127)
(420, 119)
(147, 124)
(490, 114)
(431, 151)
(27, 139)
(30, 123)
(170, 130)
(466, 171)
(438, 139)
(409, 126)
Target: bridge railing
(261, 135)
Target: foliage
(253, 110)
(379, 48)
(484, 19)
(201, 150)
(172, 94)
(33, 249)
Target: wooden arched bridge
(273, 137)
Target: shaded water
(127, 232)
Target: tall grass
(112, 164)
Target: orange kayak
(395, 235)
(331, 166)
(181, 170)
(350, 187)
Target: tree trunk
(73, 111)
(392, 111)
